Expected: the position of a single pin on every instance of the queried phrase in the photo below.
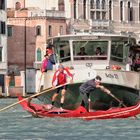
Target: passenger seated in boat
(82, 51)
(87, 87)
(98, 51)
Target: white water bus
(115, 50)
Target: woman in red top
(60, 78)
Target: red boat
(80, 112)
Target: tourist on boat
(59, 79)
(87, 87)
(137, 63)
(82, 51)
(98, 51)
(44, 63)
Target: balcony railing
(47, 13)
(100, 23)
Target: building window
(130, 12)
(103, 15)
(139, 11)
(2, 4)
(97, 15)
(97, 4)
(50, 30)
(9, 29)
(18, 6)
(0, 53)
(110, 10)
(12, 80)
(61, 5)
(38, 54)
(84, 10)
(92, 4)
(121, 11)
(74, 9)
(103, 4)
(92, 15)
(38, 30)
(61, 30)
(2, 27)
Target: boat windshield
(90, 50)
(76, 48)
(81, 50)
(119, 51)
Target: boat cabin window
(62, 49)
(119, 51)
(90, 50)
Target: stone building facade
(28, 29)
(3, 45)
(108, 16)
(30, 23)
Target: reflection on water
(17, 124)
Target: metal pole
(25, 53)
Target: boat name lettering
(112, 75)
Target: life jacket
(44, 64)
(115, 67)
(60, 78)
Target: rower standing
(60, 78)
(89, 86)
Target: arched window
(121, 10)
(61, 5)
(74, 9)
(91, 4)
(139, 11)
(18, 6)
(38, 30)
(103, 4)
(110, 10)
(0, 53)
(130, 12)
(97, 4)
(84, 9)
(38, 54)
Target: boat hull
(99, 99)
(80, 112)
(124, 85)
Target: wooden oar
(116, 99)
(37, 94)
(119, 101)
(109, 93)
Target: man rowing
(87, 87)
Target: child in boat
(89, 86)
(60, 78)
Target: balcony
(100, 23)
(47, 13)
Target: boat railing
(117, 58)
(67, 58)
(101, 57)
